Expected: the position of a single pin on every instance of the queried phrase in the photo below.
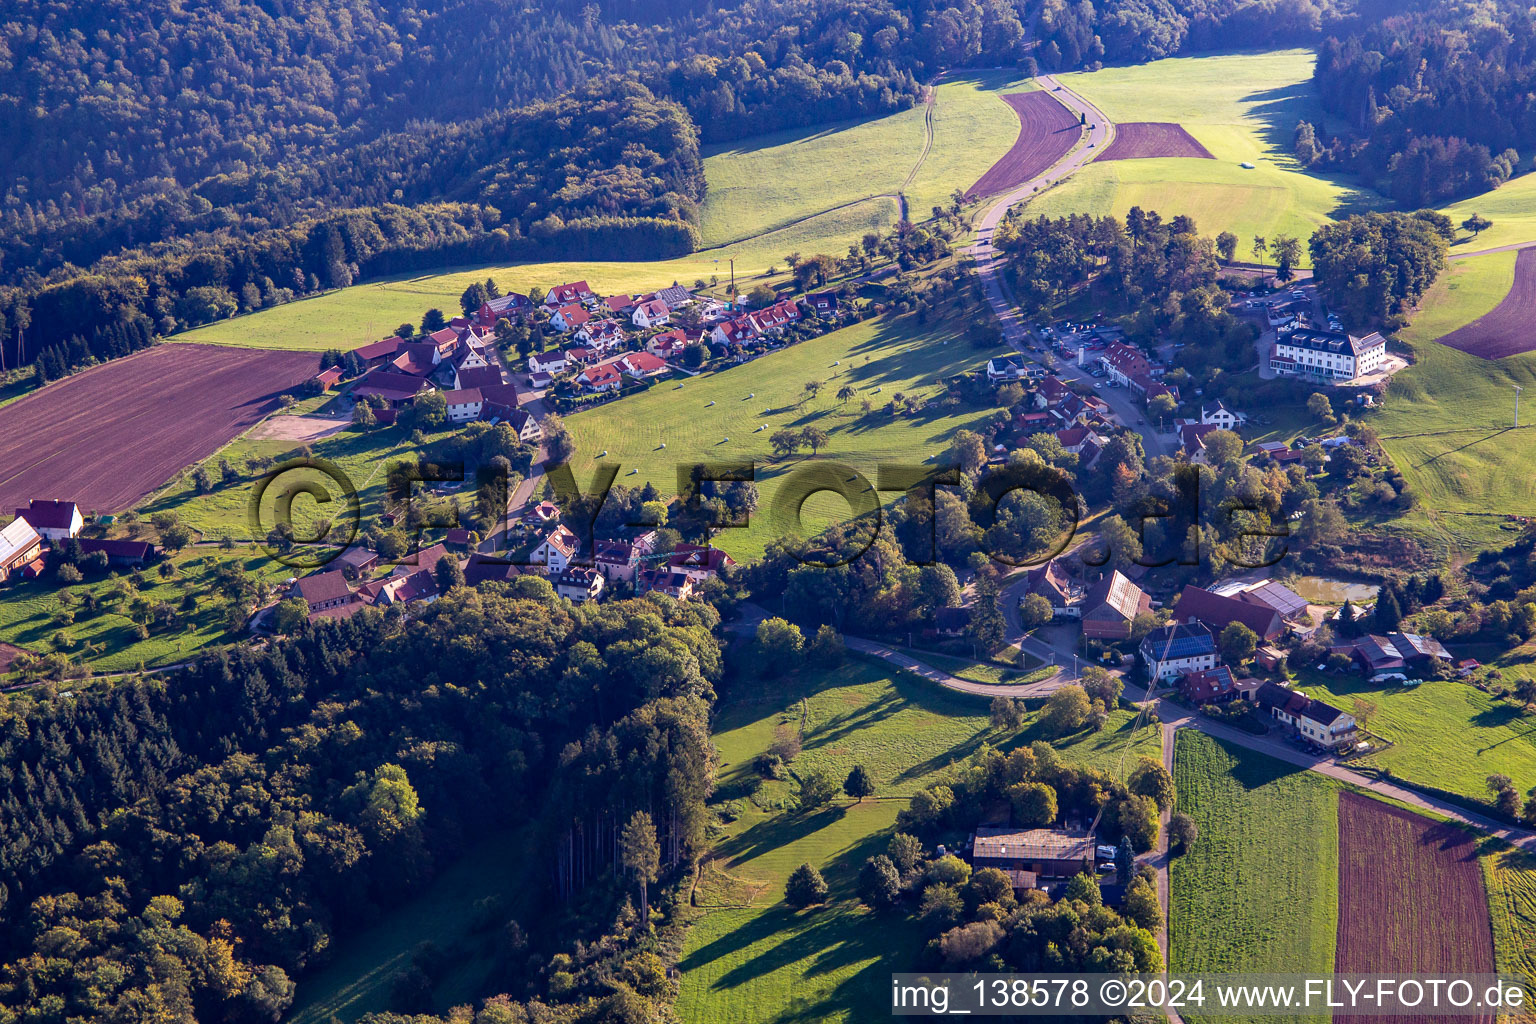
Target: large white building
(1327, 354)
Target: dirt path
(283, 427)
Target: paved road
(1511, 247)
(1095, 138)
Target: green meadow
(1511, 208)
(1445, 734)
(1509, 875)
(1447, 421)
(729, 416)
(108, 638)
(1258, 891)
(1243, 107)
(749, 958)
(767, 183)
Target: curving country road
(1099, 133)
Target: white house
(464, 405)
(1327, 355)
(566, 294)
(602, 335)
(1219, 416)
(547, 362)
(651, 313)
(53, 520)
(555, 551)
(1177, 649)
(642, 364)
(526, 425)
(579, 584)
(1005, 368)
(568, 318)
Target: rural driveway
(1040, 688)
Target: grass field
(766, 183)
(879, 358)
(1512, 208)
(984, 672)
(1243, 107)
(1259, 889)
(749, 958)
(107, 637)
(1447, 419)
(462, 912)
(224, 511)
(1509, 876)
(1446, 734)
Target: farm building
(1396, 654)
(395, 388)
(476, 377)
(323, 590)
(119, 552)
(1111, 606)
(1046, 852)
(20, 545)
(1177, 649)
(357, 558)
(53, 520)
(327, 378)
(1218, 612)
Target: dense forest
(171, 166)
(1435, 103)
(180, 850)
(1078, 32)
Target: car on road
(1098, 383)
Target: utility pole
(1518, 389)
(733, 276)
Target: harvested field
(1410, 898)
(299, 428)
(1047, 130)
(108, 436)
(1506, 330)
(1140, 140)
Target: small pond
(1323, 590)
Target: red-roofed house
(776, 317)
(477, 377)
(464, 405)
(556, 550)
(667, 344)
(602, 377)
(568, 318)
(698, 561)
(739, 330)
(566, 294)
(509, 307)
(642, 364)
(53, 520)
(1122, 362)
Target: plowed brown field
(1411, 900)
(1137, 140)
(106, 437)
(1047, 130)
(1507, 329)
